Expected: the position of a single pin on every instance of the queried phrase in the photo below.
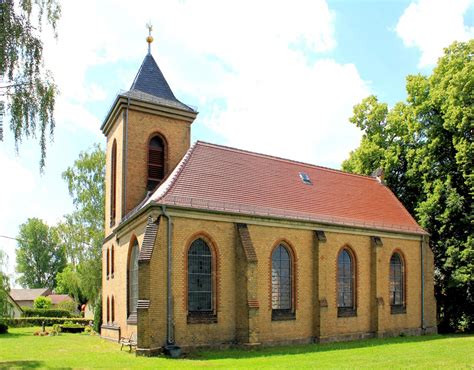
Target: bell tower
(148, 131)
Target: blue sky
(274, 77)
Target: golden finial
(149, 39)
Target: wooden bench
(130, 342)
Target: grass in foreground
(20, 348)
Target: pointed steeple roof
(151, 84)
(150, 80)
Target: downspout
(169, 311)
(423, 241)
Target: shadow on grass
(10, 335)
(20, 364)
(236, 353)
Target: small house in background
(59, 298)
(17, 311)
(26, 297)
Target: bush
(45, 312)
(69, 306)
(38, 321)
(3, 328)
(69, 327)
(98, 315)
(56, 329)
(42, 302)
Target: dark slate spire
(150, 85)
(150, 80)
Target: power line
(9, 237)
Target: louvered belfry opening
(156, 162)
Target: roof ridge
(269, 156)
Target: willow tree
(5, 305)
(28, 89)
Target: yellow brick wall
(303, 327)
(410, 251)
(360, 245)
(116, 133)
(140, 129)
(157, 311)
(301, 241)
(117, 285)
(224, 239)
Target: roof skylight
(305, 178)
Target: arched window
(133, 281)
(345, 284)
(156, 162)
(397, 284)
(112, 314)
(107, 262)
(200, 278)
(112, 261)
(108, 310)
(113, 181)
(282, 283)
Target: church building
(207, 245)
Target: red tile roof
(57, 298)
(218, 178)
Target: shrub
(42, 312)
(56, 329)
(98, 314)
(3, 328)
(69, 306)
(38, 321)
(42, 302)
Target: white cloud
(250, 57)
(244, 62)
(302, 114)
(18, 180)
(432, 25)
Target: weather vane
(149, 39)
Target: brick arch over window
(346, 282)
(397, 286)
(156, 164)
(201, 279)
(132, 280)
(283, 281)
(113, 183)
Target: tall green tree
(5, 306)
(82, 231)
(426, 147)
(30, 88)
(39, 255)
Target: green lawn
(20, 348)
